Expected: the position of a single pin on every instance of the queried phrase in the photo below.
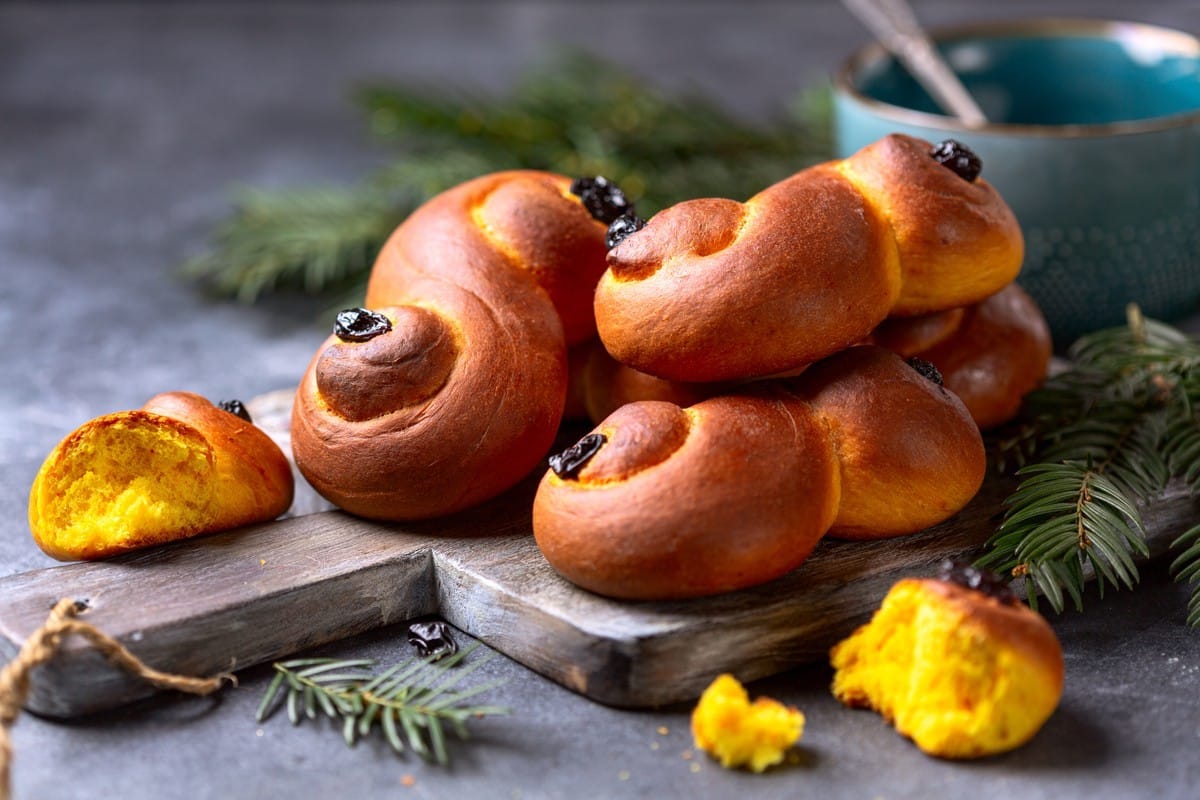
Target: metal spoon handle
(895, 25)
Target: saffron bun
(450, 389)
(665, 502)
(715, 290)
(602, 384)
(177, 467)
(961, 672)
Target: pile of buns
(745, 364)
(739, 359)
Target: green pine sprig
(412, 703)
(576, 115)
(1097, 442)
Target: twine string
(44, 643)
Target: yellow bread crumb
(962, 674)
(736, 732)
(175, 468)
(118, 483)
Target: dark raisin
(621, 227)
(360, 325)
(432, 639)
(602, 198)
(958, 158)
(236, 408)
(981, 580)
(926, 370)
(567, 464)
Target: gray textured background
(123, 128)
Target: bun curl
(452, 389)
(663, 502)
(177, 467)
(713, 290)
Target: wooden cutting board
(235, 599)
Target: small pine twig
(412, 702)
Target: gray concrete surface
(122, 129)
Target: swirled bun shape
(450, 388)
(714, 289)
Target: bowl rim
(1172, 40)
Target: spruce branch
(1097, 442)
(576, 115)
(309, 239)
(412, 702)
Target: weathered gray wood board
(243, 597)
(235, 599)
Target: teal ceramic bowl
(1094, 141)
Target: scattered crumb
(663, 730)
(738, 733)
(258, 732)
(262, 562)
(686, 755)
(408, 780)
(694, 766)
(623, 775)
(654, 745)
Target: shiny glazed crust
(254, 478)
(737, 489)
(714, 290)
(485, 287)
(909, 453)
(656, 513)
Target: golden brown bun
(461, 398)
(691, 502)
(737, 489)
(962, 673)
(714, 290)
(175, 468)
(443, 411)
(910, 455)
(999, 354)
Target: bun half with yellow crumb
(957, 664)
(177, 467)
